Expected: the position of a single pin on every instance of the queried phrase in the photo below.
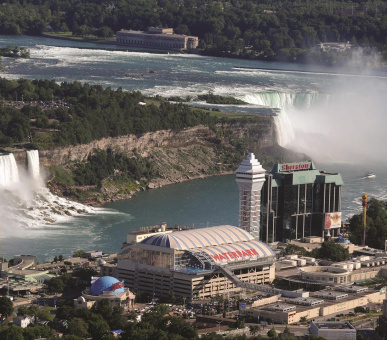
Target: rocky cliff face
(165, 139)
(176, 156)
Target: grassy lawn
(69, 35)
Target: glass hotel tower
(300, 201)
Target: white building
(250, 177)
(333, 330)
(23, 321)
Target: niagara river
(334, 116)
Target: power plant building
(299, 201)
(159, 38)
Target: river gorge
(334, 116)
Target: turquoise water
(344, 134)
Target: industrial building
(299, 201)
(159, 38)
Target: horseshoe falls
(283, 104)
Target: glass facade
(294, 203)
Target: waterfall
(9, 173)
(33, 163)
(282, 103)
(30, 204)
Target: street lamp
(219, 322)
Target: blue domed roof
(104, 284)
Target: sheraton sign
(231, 255)
(298, 166)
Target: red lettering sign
(254, 251)
(116, 285)
(300, 166)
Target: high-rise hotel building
(250, 177)
(300, 201)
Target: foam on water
(27, 204)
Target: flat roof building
(333, 330)
(300, 201)
(159, 38)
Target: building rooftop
(333, 325)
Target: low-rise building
(23, 321)
(333, 330)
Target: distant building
(93, 253)
(159, 38)
(23, 321)
(300, 201)
(333, 330)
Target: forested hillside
(75, 113)
(269, 29)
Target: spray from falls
(25, 202)
(282, 103)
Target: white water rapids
(25, 202)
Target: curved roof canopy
(241, 251)
(199, 238)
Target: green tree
(332, 251)
(78, 327)
(360, 309)
(11, 332)
(272, 333)
(286, 330)
(376, 228)
(55, 285)
(297, 250)
(6, 306)
(254, 329)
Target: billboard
(332, 220)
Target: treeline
(270, 29)
(75, 113)
(376, 228)
(211, 98)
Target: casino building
(298, 200)
(201, 262)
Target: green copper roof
(303, 173)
